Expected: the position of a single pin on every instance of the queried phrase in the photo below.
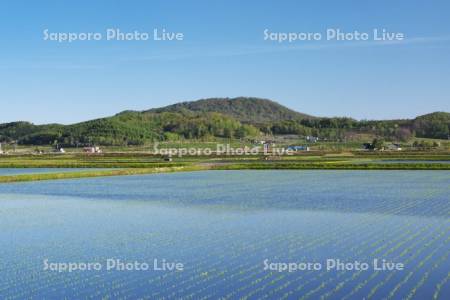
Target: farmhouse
(92, 150)
(394, 147)
(298, 148)
(313, 139)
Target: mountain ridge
(239, 107)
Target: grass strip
(77, 164)
(332, 166)
(101, 173)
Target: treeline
(129, 128)
(435, 125)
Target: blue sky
(223, 54)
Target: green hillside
(218, 118)
(129, 128)
(435, 125)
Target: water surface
(222, 225)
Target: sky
(223, 53)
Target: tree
(377, 144)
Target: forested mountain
(218, 118)
(247, 110)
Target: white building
(394, 147)
(92, 150)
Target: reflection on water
(222, 225)
(345, 191)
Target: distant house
(92, 150)
(312, 139)
(394, 147)
(59, 149)
(262, 142)
(298, 148)
(367, 146)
